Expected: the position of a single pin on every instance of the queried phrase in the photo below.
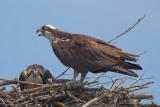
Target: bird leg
(75, 76)
(73, 81)
(83, 75)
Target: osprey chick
(87, 54)
(36, 74)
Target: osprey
(36, 74)
(87, 54)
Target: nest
(63, 94)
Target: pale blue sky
(103, 19)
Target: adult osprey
(87, 54)
(36, 74)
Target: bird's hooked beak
(39, 30)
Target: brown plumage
(35, 74)
(87, 54)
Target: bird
(86, 54)
(36, 74)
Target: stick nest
(61, 94)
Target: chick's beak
(37, 31)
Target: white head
(46, 31)
(50, 26)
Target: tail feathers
(130, 57)
(129, 65)
(121, 70)
(117, 69)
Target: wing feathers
(84, 53)
(129, 65)
(125, 71)
(22, 77)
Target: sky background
(103, 19)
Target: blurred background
(103, 19)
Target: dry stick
(146, 78)
(129, 29)
(94, 77)
(135, 81)
(62, 73)
(90, 102)
(138, 88)
(7, 96)
(141, 87)
(139, 105)
(95, 81)
(16, 90)
(117, 85)
(13, 90)
(105, 82)
(148, 83)
(69, 94)
(7, 101)
(141, 96)
(9, 82)
(40, 88)
(97, 98)
(126, 31)
(49, 99)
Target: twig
(95, 76)
(127, 30)
(62, 73)
(117, 85)
(90, 102)
(97, 83)
(7, 96)
(98, 78)
(69, 94)
(135, 81)
(9, 82)
(138, 88)
(141, 96)
(96, 98)
(41, 88)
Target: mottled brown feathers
(84, 53)
(87, 54)
(36, 74)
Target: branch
(127, 30)
(42, 88)
(9, 82)
(62, 73)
